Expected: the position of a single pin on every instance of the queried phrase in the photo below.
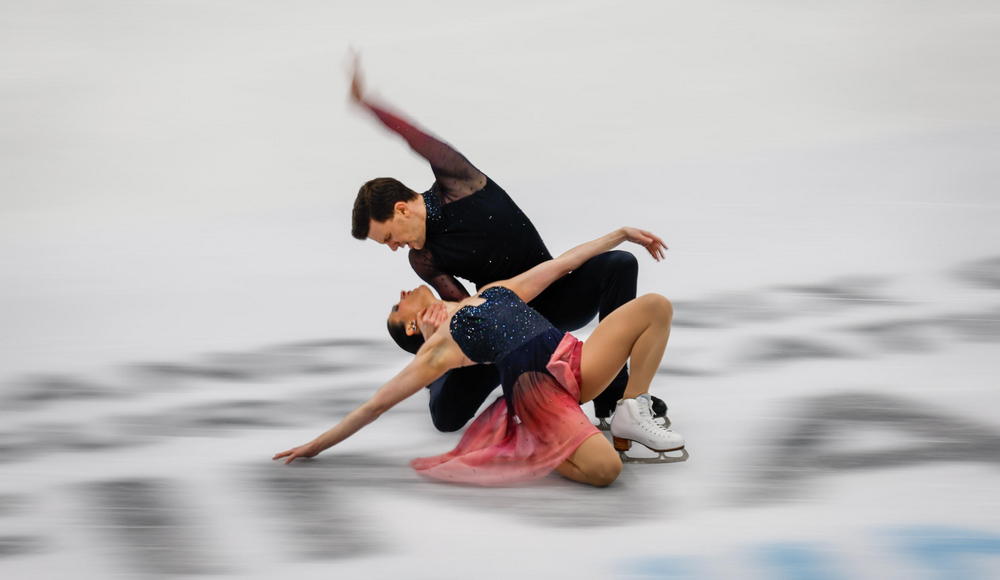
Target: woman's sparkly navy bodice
(491, 330)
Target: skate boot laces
(649, 425)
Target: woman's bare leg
(595, 462)
(636, 332)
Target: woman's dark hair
(375, 201)
(409, 342)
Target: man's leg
(619, 281)
(457, 395)
(598, 287)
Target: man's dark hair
(409, 342)
(375, 201)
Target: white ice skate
(659, 415)
(633, 421)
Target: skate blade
(662, 457)
(604, 425)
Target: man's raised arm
(452, 170)
(447, 287)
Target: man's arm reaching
(447, 287)
(457, 177)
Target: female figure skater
(538, 425)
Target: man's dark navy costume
(484, 237)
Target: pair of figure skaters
(514, 332)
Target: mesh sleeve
(447, 287)
(449, 166)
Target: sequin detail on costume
(488, 331)
(544, 425)
(482, 237)
(433, 206)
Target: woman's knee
(659, 306)
(603, 471)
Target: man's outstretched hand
(357, 83)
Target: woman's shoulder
(495, 289)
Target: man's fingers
(355, 57)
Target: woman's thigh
(607, 349)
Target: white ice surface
(175, 186)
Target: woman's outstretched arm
(531, 283)
(435, 357)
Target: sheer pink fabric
(500, 449)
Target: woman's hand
(307, 450)
(432, 318)
(653, 244)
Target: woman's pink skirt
(500, 449)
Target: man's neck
(419, 207)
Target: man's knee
(448, 424)
(622, 264)
(445, 419)
(456, 396)
(442, 409)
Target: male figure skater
(466, 226)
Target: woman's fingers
(437, 314)
(656, 249)
(432, 318)
(654, 245)
(291, 454)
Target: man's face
(404, 228)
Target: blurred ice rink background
(180, 296)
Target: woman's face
(411, 304)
